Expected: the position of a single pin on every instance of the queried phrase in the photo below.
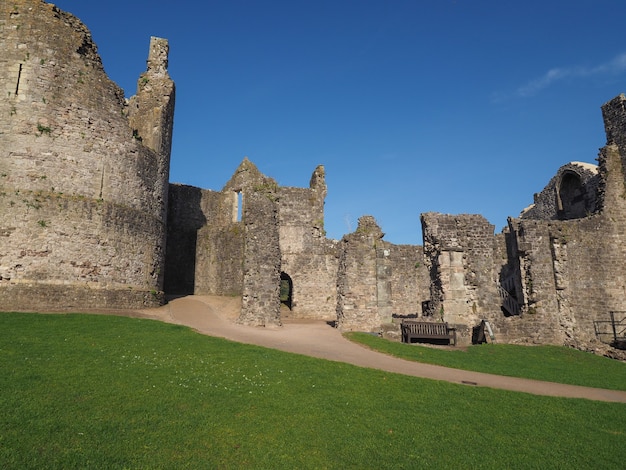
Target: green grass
(550, 363)
(81, 391)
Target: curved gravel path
(215, 316)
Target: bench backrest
(426, 328)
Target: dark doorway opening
(286, 290)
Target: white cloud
(617, 65)
(614, 66)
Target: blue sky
(451, 106)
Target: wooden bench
(412, 329)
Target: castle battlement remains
(88, 218)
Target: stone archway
(571, 197)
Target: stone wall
(570, 272)
(239, 241)
(357, 279)
(82, 200)
(261, 256)
(571, 194)
(280, 235)
(307, 257)
(409, 278)
(151, 116)
(89, 220)
(219, 260)
(460, 255)
(537, 322)
(186, 217)
(220, 246)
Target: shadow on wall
(571, 197)
(185, 218)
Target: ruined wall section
(205, 245)
(262, 260)
(612, 167)
(307, 257)
(614, 117)
(538, 322)
(261, 250)
(571, 277)
(78, 206)
(459, 251)
(409, 278)
(612, 160)
(571, 193)
(358, 306)
(151, 115)
(572, 271)
(220, 247)
(588, 282)
(589, 254)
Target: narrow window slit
(17, 85)
(239, 206)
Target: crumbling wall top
(571, 194)
(614, 115)
(158, 56)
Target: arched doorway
(286, 290)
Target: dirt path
(215, 316)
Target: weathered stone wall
(571, 272)
(219, 246)
(314, 280)
(570, 279)
(563, 270)
(377, 279)
(614, 116)
(85, 202)
(151, 116)
(261, 268)
(571, 194)
(459, 252)
(261, 251)
(219, 258)
(82, 200)
(187, 214)
(585, 277)
(239, 240)
(538, 320)
(307, 257)
(358, 306)
(409, 278)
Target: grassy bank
(80, 391)
(550, 363)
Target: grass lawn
(91, 391)
(550, 363)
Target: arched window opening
(572, 204)
(237, 206)
(286, 290)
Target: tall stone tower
(83, 174)
(151, 110)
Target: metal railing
(613, 330)
(509, 302)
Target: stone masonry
(88, 218)
(83, 199)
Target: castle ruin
(88, 218)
